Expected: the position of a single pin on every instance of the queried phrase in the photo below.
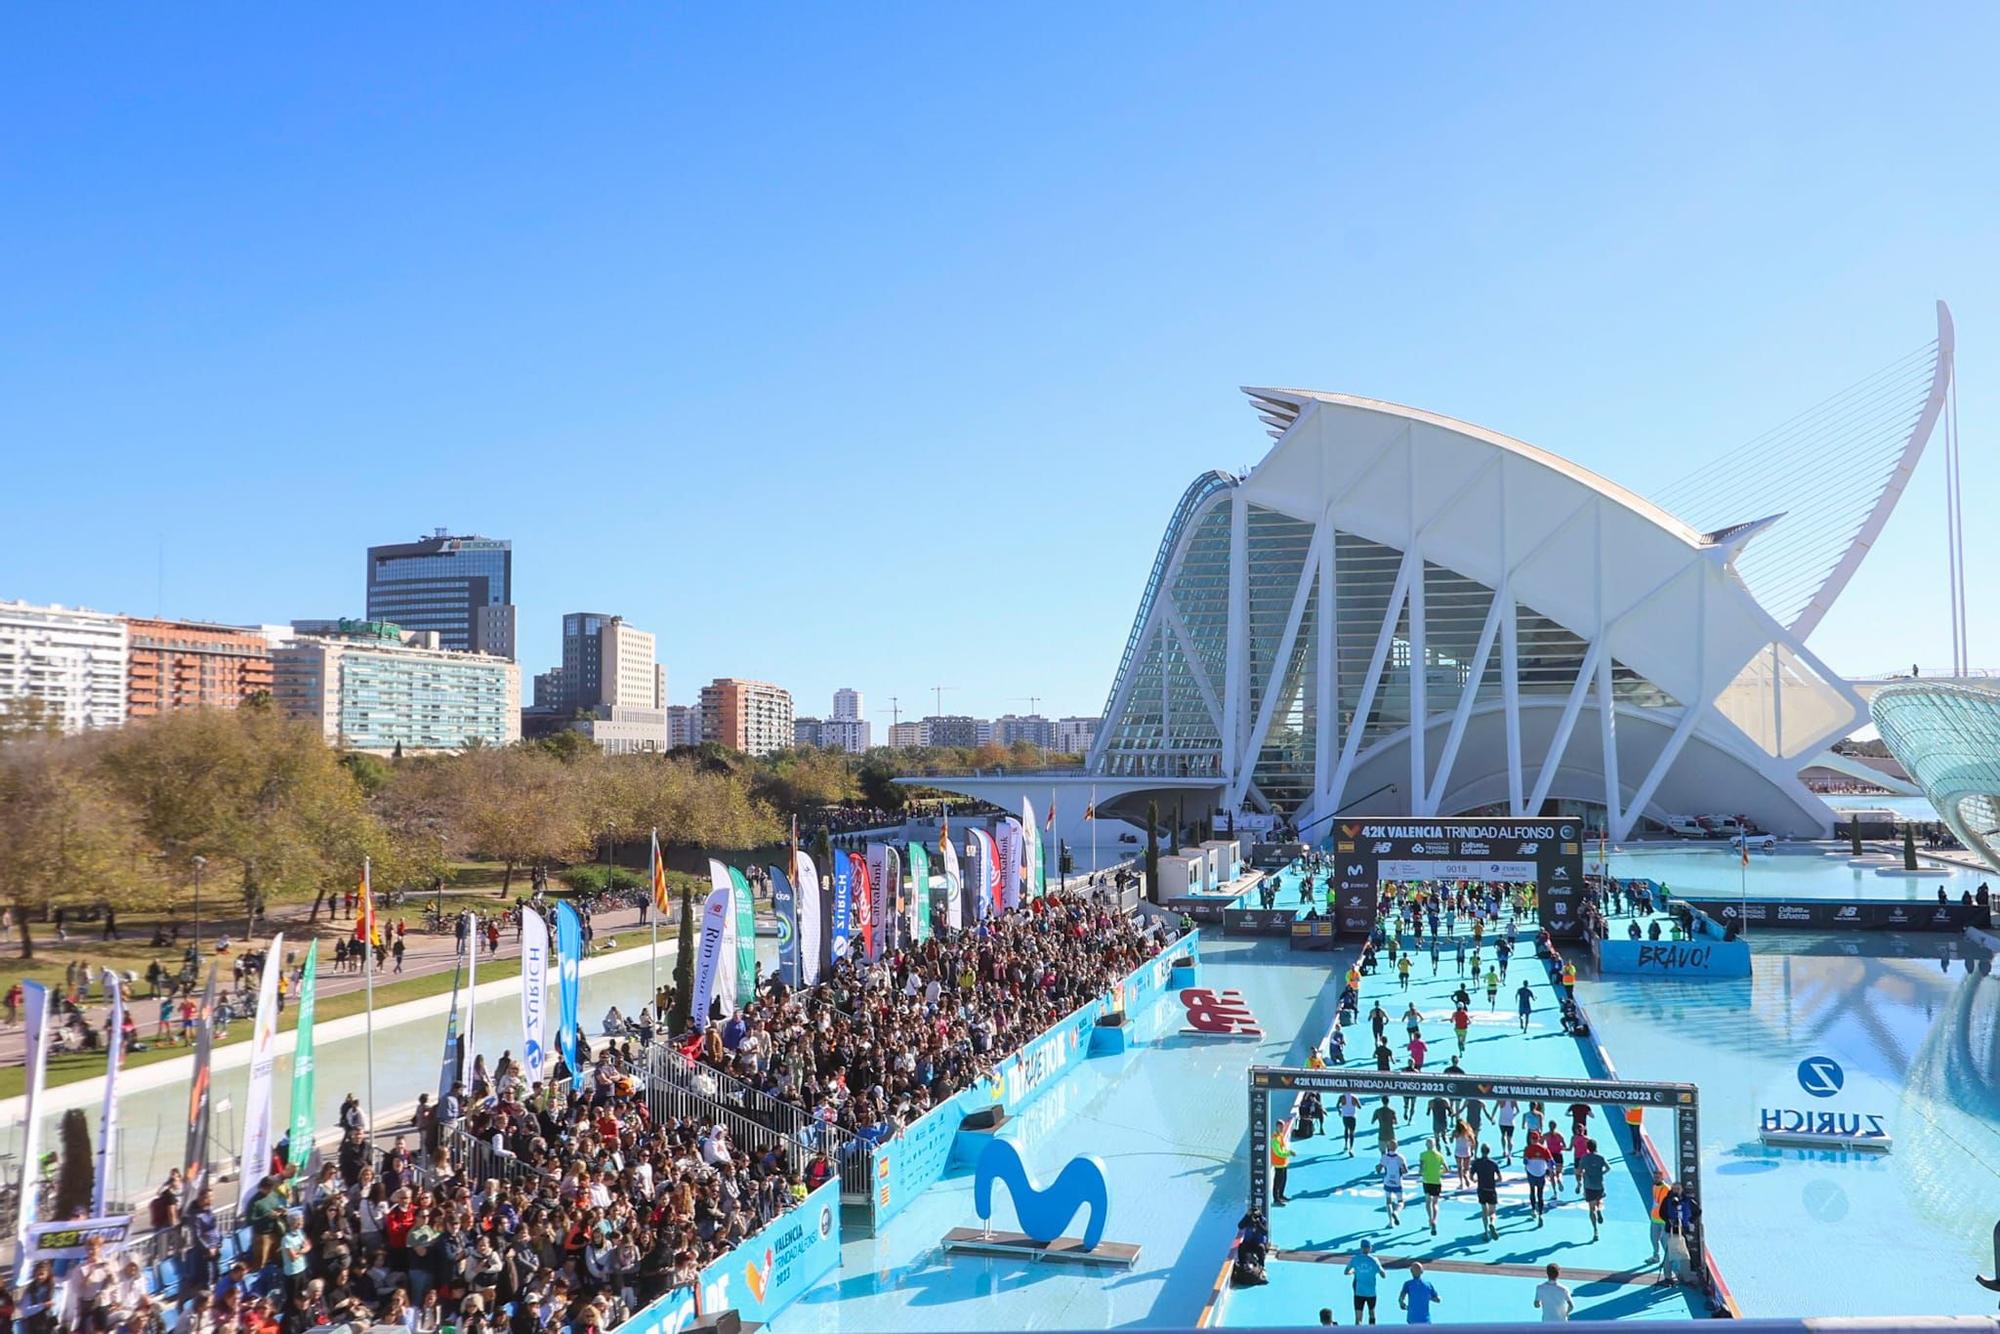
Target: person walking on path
(1590, 1170)
(1418, 1295)
(1430, 1167)
(1552, 1299)
(1367, 1271)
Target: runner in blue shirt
(1417, 1295)
(1366, 1270)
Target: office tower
(191, 665)
(610, 684)
(846, 705)
(683, 725)
(73, 661)
(460, 587)
(754, 717)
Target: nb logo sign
(1821, 1076)
(1227, 1014)
(1381, 848)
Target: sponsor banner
(1436, 868)
(1313, 935)
(107, 1136)
(194, 1166)
(1661, 958)
(920, 893)
(783, 908)
(1258, 921)
(843, 905)
(39, 1032)
(1545, 852)
(916, 1159)
(534, 993)
(1820, 915)
(745, 941)
(715, 955)
(1822, 1102)
(71, 1240)
(263, 1062)
(300, 1136)
(812, 919)
(569, 987)
(1370, 1083)
(762, 1276)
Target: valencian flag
(659, 876)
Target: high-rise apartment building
(852, 735)
(192, 665)
(906, 736)
(1032, 728)
(683, 725)
(807, 731)
(1074, 736)
(754, 717)
(951, 729)
(370, 685)
(847, 705)
(461, 587)
(73, 661)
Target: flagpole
(654, 918)
(368, 972)
(1091, 815)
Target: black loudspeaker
(1112, 1019)
(720, 1322)
(987, 1118)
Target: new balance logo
(1225, 1015)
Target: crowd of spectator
(874, 1046)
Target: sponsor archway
(1547, 852)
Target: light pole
(199, 862)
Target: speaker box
(719, 1322)
(987, 1118)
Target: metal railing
(679, 1087)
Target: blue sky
(871, 346)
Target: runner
(1441, 1118)
(1418, 1294)
(1385, 1125)
(1461, 1152)
(1492, 988)
(1507, 1113)
(1461, 1026)
(1392, 1166)
(1403, 971)
(1552, 1140)
(1579, 1130)
(1418, 1047)
(1430, 1166)
(1350, 1108)
(1524, 999)
(1366, 1270)
(1590, 1170)
(1486, 1180)
(1413, 1019)
(1458, 953)
(1535, 1159)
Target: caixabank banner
(1546, 853)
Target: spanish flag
(366, 929)
(659, 876)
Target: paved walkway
(425, 953)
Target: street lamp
(199, 862)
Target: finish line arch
(1683, 1100)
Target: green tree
(1153, 851)
(65, 837)
(799, 780)
(1909, 847)
(27, 717)
(76, 1169)
(680, 1021)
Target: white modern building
(610, 687)
(1947, 736)
(683, 725)
(847, 705)
(1399, 613)
(73, 661)
(370, 685)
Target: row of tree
(259, 805)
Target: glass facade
(1947, 737)
(439, 584)
(1171, 723)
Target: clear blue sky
(871, 346)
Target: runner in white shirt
(1392, 1167)
(1553, 1299)
(1507, 1113)
(1350, 1109)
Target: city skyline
(405, 335)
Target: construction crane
(895, 711)
(938, 693)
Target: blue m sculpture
(1044, 1211)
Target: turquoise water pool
(1914, 1023)
(1802, 871)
